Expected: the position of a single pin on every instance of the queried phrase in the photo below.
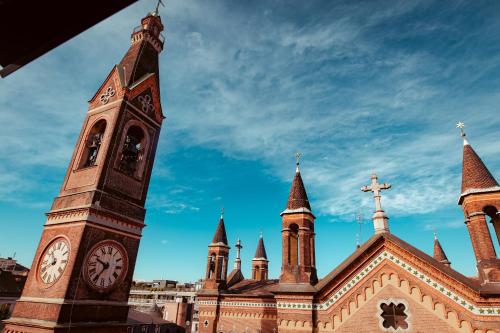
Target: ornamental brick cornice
(98, 216)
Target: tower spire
(298, 197)
(220, 234)
(298, 247)
(476, 178)
(260, 262)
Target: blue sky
(356, 86)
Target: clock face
(106, 265)
(54, 261)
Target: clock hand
(105, 265)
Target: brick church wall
(366, 319)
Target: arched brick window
(294, 245)
(132, 151)
(92, 145)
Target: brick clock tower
(82, 271)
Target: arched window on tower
(494, 225)
(256, 273)
(294, 244)
(211, 266)
(132, 151)
(93, 145)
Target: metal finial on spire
(261, 235)
(222, 213)
(461, 125)
(157, 9)
(297, 156)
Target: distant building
(167, 300)
(11, 265)
(12, 278)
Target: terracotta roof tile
(475, 175)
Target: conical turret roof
(298, 196)
(261, 249)
(475, 174)
(220, 234)
(439, 254)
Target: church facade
(386, 285)
(82, 270)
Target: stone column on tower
(83, 267)
(479, 199)
(260, 262)
(380, 218)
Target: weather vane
(157, 10)
(297, 156)
(461, 125)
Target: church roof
(234, 277)
(376, 243)
(220, 234)
(439, 254)
(253, 288)
(261, 250)
(298, 196)
(475, 174)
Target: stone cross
(379, 217)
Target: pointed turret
(439, 254)
(480, 198)
(141, 58)
(475, 175)
(298, 254)
(220, 234)
(217, 262)
(298, 196)
(260, 262)
(261, 249)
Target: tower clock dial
(106, 265)
(54, 261)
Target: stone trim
(478, 190)
(239, 304)
(461, 301)
(297, 210)
(48, 300)
(476, 214)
